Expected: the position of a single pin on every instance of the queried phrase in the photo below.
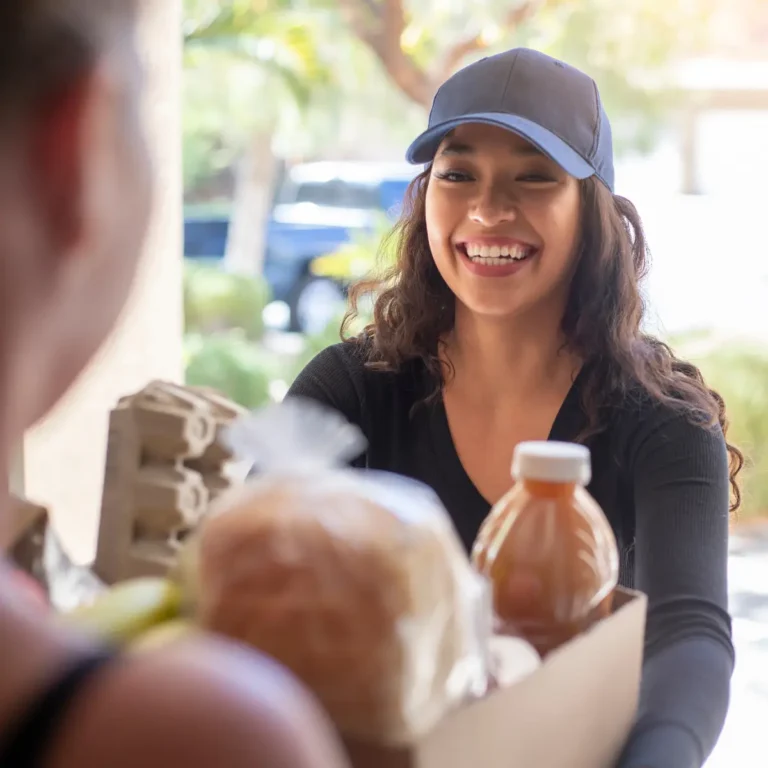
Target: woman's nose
(493, 206)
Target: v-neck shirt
(468, 506)
(661, 480)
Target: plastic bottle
(548, 549)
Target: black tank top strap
(27, 742)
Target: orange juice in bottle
(547, 548)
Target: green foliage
(278, 39)
(249, 66)
(232, 364)
(298, 67)
(224, 346)
(738, 371)
(627, 47)
(216, 300)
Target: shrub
(215, 300)
(739, 372)
(235, 366)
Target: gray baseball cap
(549, 103)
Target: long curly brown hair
(414, 311)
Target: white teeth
(484, 253)
(491, 262)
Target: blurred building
(726, 89)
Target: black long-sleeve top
(662, 482)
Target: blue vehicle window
(205, 238)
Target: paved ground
(744, 743)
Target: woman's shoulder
(346, 377)
(335, 376)
(349, 357)
(650, 428)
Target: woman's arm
(680, 474)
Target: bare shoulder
(201, 705)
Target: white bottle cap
(552, 462)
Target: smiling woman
(513, 313)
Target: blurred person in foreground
(514, 312)
(74, 203)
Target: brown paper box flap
(24, 514)
(574, 712)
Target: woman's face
(503, 222)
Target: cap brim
(424, 148)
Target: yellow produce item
(186, 573)
(128, 609)
(163, 634)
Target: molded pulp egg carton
(166, 461)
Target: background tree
(627, 47)
(308, 78)
(253, 70)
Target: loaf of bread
(355, 581)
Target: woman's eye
(536, 178)
(453, 176)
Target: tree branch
(381, 23)
(363, 16)
(458, 52)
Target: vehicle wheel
(317, 301)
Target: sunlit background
(296, 118)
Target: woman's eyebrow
(457, 148)
(454, 147)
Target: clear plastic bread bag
(355, 580)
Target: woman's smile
(495, 257)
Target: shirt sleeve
(681, 488)
(334, 378)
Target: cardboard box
(25, 516)
(23, 540)
(575, 711)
